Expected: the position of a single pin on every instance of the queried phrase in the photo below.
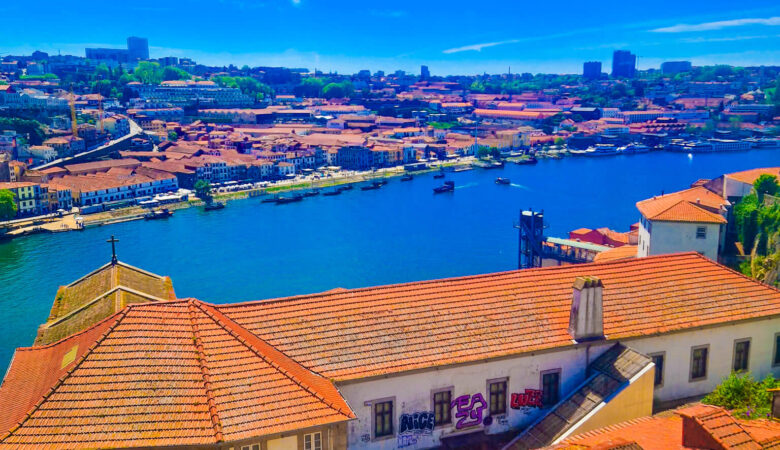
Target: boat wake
(519, 186)
(467, 185)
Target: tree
(309, 87)
(148, 72)
(765, 184)
(7, 205)
(337, 90)
(172, 135)
(745, 396)
(174, 73)
(248, 86)
(203, 191)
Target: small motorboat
(311, 193)
(382, 182)
(214, 206)
(270, 199)
(292, 199)
(448, 186)
(531, 160)
(438, 175)
(332, 193)
(501, 180)
(407, 177)
(371, 187)
(346, 187)
(159, 214)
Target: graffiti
(469, 409)
(365, 438)
(502, 420)
(417, 423)
(406, 441)
(531, 398)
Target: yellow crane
(73, 124)
(100, 111)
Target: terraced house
(520, 359)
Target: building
(623, 64)
(137, 48)
(191, 93)
(675, 67)
(425, 74)
(689, 220)
(66, 145)
(734, 186)
(591, 70)
(30, 200)
(519, 358)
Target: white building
(689, 220)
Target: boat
(294, 198)
(332, 193)
(501, 180)
(602, 150)
(494, 165)
(159, 214)
(372, 186)
(580, 152)
(463, 168)
(438, 175)
(346, 187)
(631, 149)
(531, 160)
(382, 182)
(214, 206)
(311, 193)
(448, 186)
(407, 178)
(270, 199)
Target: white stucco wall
(675, 237)
(413, 392)
(734, 188)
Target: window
(250, 447)
(441, 407)
(658, 360)
(312, 441)
(741, 355)
(383, 418)
(497, 390)
(701, 233)
(776, 359)
(699, 362)
(551, 381)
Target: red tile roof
(173, 373)
(388, 329)
(696, 204)
(750, 176)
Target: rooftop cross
(113, 242)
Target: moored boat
(501, 180)
(408, 177)
(448, 186)
(332, 193)
(159, 214)
(438, 175)
(292, 199)
(214, 206)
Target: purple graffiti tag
(469, 409)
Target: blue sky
(452, 37)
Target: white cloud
(479, 47)
(719, 25)
(725, 39)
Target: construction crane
(100, 111)
(73, 124)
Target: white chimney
(586, 321)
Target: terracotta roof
(625, 251)
(388, 329)
(159, 374)
(721, 426)
(750, 176)
(696, 204)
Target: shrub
(743, 395)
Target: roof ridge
(719, 412)
(232, 328)
(204, 370)
(119, 316)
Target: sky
(451, 37)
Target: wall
(673, 237)
(334, 437)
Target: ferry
(763, 143)
(634, 148)
(501, 180)
(407, 177)
(448, 186)
(159, 214)
(295, 198)
(582, 152)
(463, 168)
(602, 150)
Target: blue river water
(399, 233)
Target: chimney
(775, 402)
(586, 321)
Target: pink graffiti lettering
(531, 398)
(469, 409)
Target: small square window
(741, 355)
(551, 387)
(776, 356)
(497, 390)
(658, 360)
(699, 363)
(441, 407)
(383, 419)
(701, 233)
(312, 441)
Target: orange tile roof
(750, 176)
(158, 374)
(721, 426)
(389, 329)
(697, 204)
(622, 252)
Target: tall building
(137, 48)
(591, 70)
(673, 67)
(623, 64)
(424, 72)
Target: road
(135, 131)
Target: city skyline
(350, 37)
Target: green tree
(248, 86)
(172, 135)
(309, 87)
(203, 191)
(766, 184)
(742, 394)
(148, 72)
(7, 205)
(174, 73)
(338, 90)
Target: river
(399, 233)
